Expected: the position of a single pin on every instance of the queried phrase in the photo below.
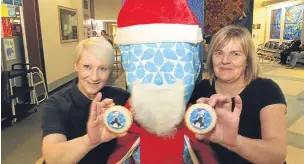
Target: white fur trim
(153, 33)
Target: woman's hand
(96, 130)
(226, 129)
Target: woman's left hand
(227, 125)
(96, 130)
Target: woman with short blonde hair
(257, 132)
(72, 125)
(99, 47)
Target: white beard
(159, 109)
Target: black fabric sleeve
(272, 93)
(118, 95)
(201, 89)
(194, 95)
(53, 118)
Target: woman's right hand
(226, 129)
(97, 133)
(204, 41)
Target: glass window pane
(275, 24)
(294, 14)
(293, 22)
(276, 16)
(275, 31)
(291, 30)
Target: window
(275, 26)
(293, 22)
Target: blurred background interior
(39, 38)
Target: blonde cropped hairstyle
(239, 35)
(98, 46)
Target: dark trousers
(284, 54)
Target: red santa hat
(151, 21)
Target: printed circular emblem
(118, 119)
(200, 118)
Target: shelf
(16, 73)
(23, 110)
(20, 91)
(5, 122)
(25, 106)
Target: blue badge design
(116, 120)
(200, 118)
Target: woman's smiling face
(229, 62)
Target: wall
(272, 2)
(259, 17)
(59, 58)
(107, 9)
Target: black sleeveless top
(257, 95)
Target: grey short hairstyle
(98, 46)
(240, 35)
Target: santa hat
(151, 21)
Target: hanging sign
(4, 12)
(9, 49)
(8, 2)
(6, 26)
(11, 9)
(18, 2)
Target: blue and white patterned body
(161, 64)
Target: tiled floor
(291, 82)
(298, 127)
(295, 155)
(21, 143)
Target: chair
(38, 81)
(260, 50)
(40, 161)
(270, 55)
(270, 51)
(271, 45)
(267, 45)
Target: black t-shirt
(257, 95)
(68, 113)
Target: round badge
(118, 119)
(200, 118)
